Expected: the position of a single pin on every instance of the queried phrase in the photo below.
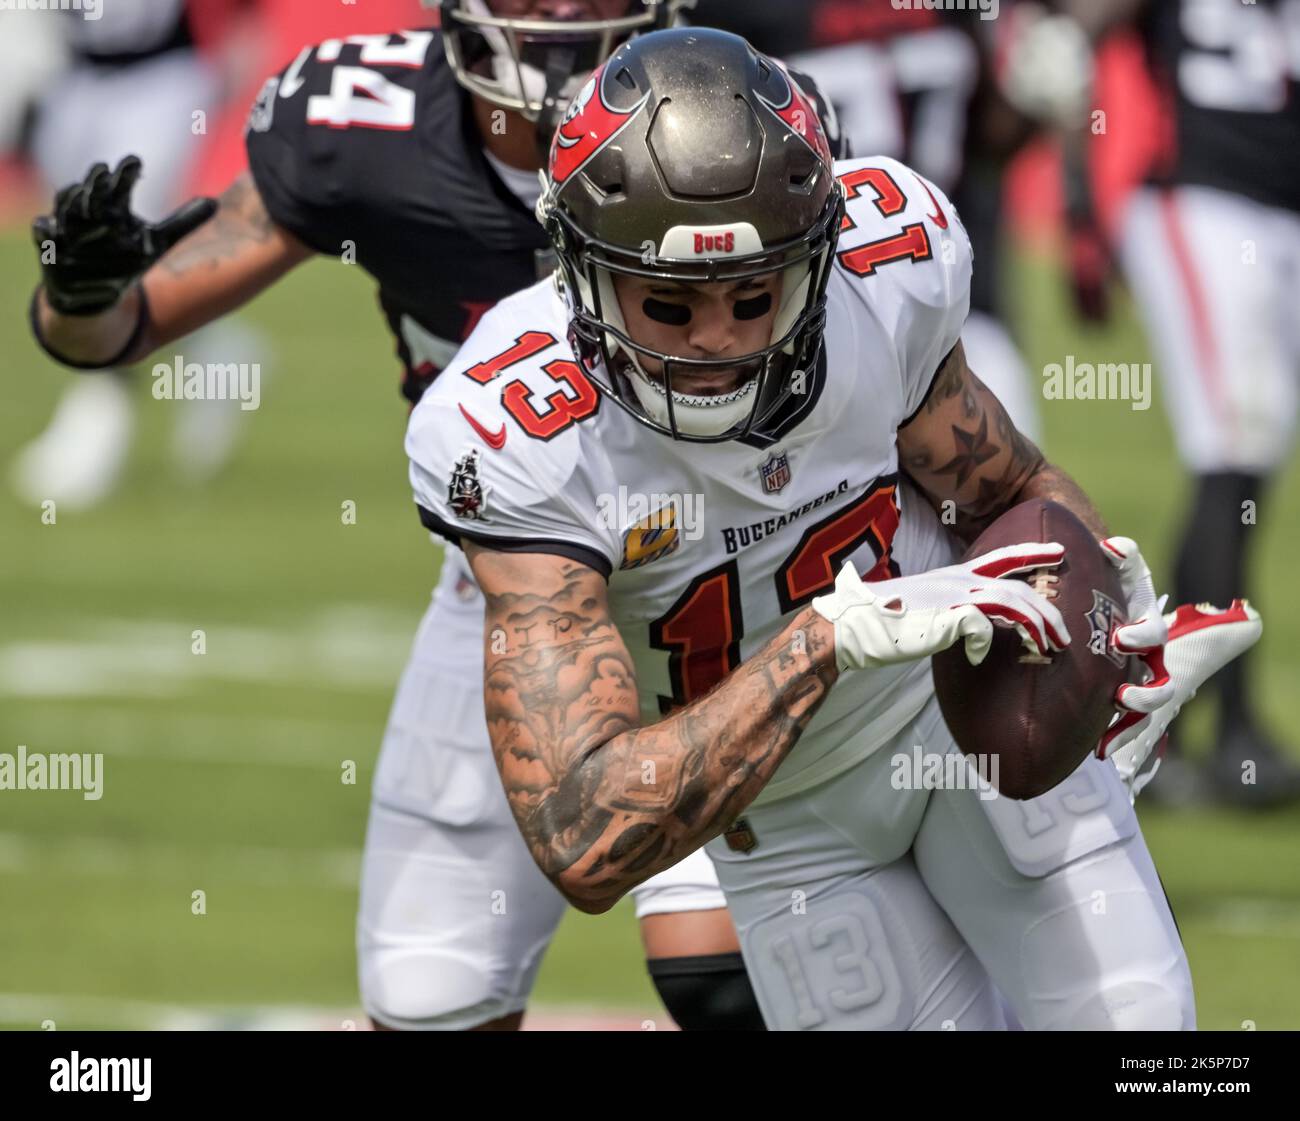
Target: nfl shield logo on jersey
(466, 494)
(1104, 617)
(775, 472)
(262, 115)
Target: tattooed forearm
(241, 220)
(219, 267)
(603, 802)
(964, 451)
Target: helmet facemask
(772, 375)
(534, 65)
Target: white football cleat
(78, 460)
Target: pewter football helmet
(691, 157)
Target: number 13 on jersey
(702, 630)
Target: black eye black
(754, 308)
(661, 311)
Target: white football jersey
(709, 548)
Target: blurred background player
(1209, 240)
(915, 84)
(32, 55)
(146, 79)
(368, 148)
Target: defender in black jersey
(415, 155)
(374, 148)
(1231, 76)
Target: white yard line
(223, 739)
(338, 869)
(1272, 918)
(35, 1009)
(350, 647)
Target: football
(1032, 720)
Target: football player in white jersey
(748, 376)
(436, 950)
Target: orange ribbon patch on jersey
(653, 537)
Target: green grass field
(223, 771)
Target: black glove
(93, 248)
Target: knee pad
(710, 992)
(1129, 970)
(431, 992)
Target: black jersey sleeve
(292, 173)
(319, 134)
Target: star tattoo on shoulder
(973, 450)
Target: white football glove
(1145, 634)
(1202, 640)
(912, 617)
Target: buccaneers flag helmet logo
(798, 112)
(588, 126)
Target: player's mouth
(726, 382)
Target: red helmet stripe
(588, 126)
(802, 118)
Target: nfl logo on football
(775, 472)
(1104, 617)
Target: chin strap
(560, 63)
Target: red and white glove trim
(1202, 640)
(1036, 620)
(1145, 636)
(889, 621)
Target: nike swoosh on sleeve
(939, 218)
(494, 440)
